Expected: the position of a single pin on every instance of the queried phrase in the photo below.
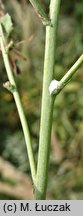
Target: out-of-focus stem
(13, 88)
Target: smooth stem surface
(19, 105)
(47, 103)
(40, 11)
(68, 76)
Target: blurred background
(66, 157)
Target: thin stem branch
(47, 103)
(40, 11)
(18, 104)
(66, 78)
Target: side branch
(11, 86)
(47, 103)
(40, 11)
(56, 86)
(68, 76)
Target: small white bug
(53, 86)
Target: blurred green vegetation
(66, 159)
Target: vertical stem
(47, 103)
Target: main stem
(68, 76)
(47, 103)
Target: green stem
(40, 11)
(68, 76)
(18, 104)
(47, 103)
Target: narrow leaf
(7, 24)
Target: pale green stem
(47, 103)
(68, 76)
(40, 11)
(18, 104)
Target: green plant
(50, 91)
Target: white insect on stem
(53, 86)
